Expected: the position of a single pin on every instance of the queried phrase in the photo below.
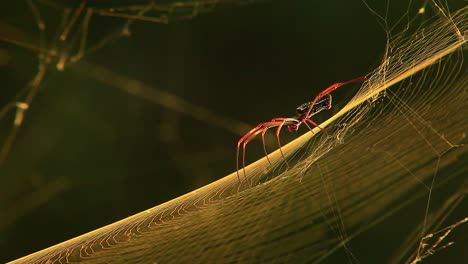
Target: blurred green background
(89, 154)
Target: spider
(322, 101)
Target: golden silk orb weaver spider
(322, 101)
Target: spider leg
(278, 130)
(264, 147)
(280, 122)
(315, 125)
(284, 121)
(246, 137)
(244, 146)
(329, 105)
(244, 140)
(333, 87)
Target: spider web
(408, 110)
(389, 146)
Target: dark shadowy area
(88, 154)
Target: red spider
(304, 112)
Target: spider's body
(303, 109)
(320, 105)
(323, 101)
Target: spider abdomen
(320, 105)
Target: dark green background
(249, 63)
